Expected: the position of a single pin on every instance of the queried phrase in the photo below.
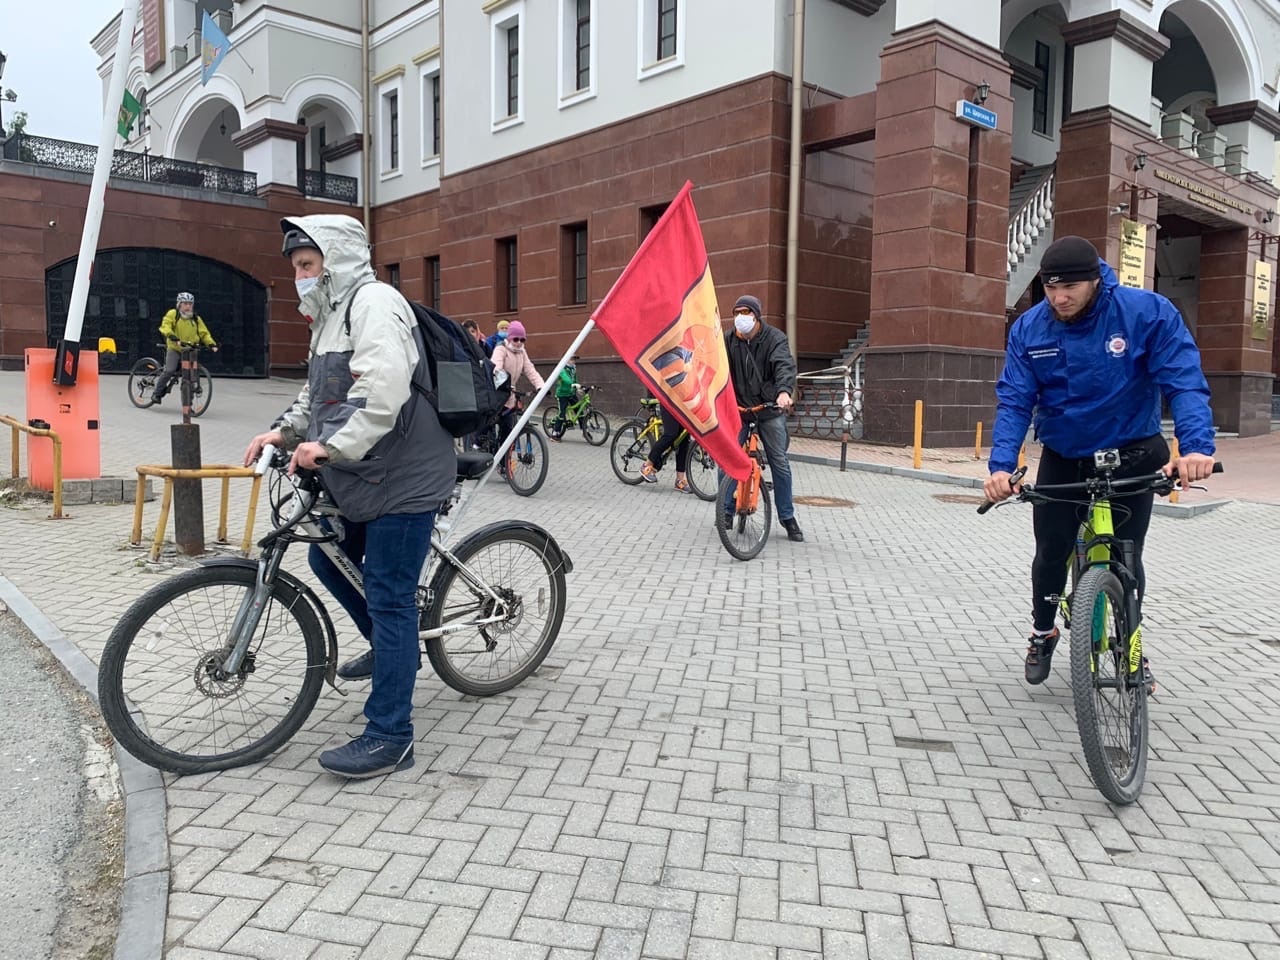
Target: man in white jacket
(383, 457)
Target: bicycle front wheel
(549, 416)
(743, 534)
(702, 472)
(202, 392)
(1108, 686)
(142, 382)
(595, 428)
(630, 449)
(164, 694)
(522, 567)
(527, 462)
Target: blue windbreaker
(1096, 383)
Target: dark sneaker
(794, 533)
(1040, 656)
(366, 757)
(1148, 677)
(357, 668)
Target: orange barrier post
(977, 443)
(919, 438)
(56, 479)
(1173, 455)
(1022, 456)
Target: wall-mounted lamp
(1120, 208)
(980, 94)
(1268, 216)
(222, 127)
(1139, 161)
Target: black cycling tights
(1056, 524)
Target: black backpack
(461, 387)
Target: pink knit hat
(516, 329)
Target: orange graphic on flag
(683, 363)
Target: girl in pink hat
(510, 355)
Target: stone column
(940, 228)
(1237, 366)
(1251, 128)
(271, 151)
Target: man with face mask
(1092, 361)
(763, 371)
(383, 457)
(180, 325)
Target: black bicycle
(219, 666)
(1110, 677)
(195, 381)
(525, 465)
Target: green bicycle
(594, 424)
(635, 438)
(1110, 678)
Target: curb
(1180, 511)
(144, 898)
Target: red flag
(662, 317)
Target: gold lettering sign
(1261, 299)
(1133, 254)
(1203, 196)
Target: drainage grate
(823, 502)
(959, 498)
(920, 743)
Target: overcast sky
(52, 68)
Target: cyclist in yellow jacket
(180, 325)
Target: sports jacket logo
(1117, 345)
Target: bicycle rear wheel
(702, 472)
(164, 696)
(595, 428)
(142, 382)
(549, 417)
(202, 393)
(1110, 698)
(527, 462)
(522, 567)
(630, 449)
(743, 534)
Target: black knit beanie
(751, 303)
(1068, 260)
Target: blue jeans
(774, 438)
(389, 552)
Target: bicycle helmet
(295, 239)
(185, 297)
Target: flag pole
(67, 359)
(547, 383)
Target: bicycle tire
(702, 472)
(549, 416)
(743, 535)
(1116, 727)
(172, 713)
(142, 382)
(595, 428)
(629, 450)
(520, 564)
(203, 392)
(527, 462)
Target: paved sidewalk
(826, 752)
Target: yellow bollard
(915, 457)
(1173, 455)
(977, 443)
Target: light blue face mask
(744, 324)
(305, 285)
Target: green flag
(129, 111)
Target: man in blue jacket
(1091, 361)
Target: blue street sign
(978, 116)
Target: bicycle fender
(309, 596)
(561, 557)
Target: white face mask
(186, 310)
(305, 286)
(744, 325)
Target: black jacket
(761, 368)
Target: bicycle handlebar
(1157, 482)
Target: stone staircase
(1030, 227)
(821, 407)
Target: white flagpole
(64, 372)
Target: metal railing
(125, 165)
(841, 418)
(16, 467)
(329, 186)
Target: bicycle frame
(747, 499)
(574, 411)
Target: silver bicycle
(219, 666)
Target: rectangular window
(573, 264)
(508, 275)
(1040, 95)
(435, 115)
(433, 282)
(393, 130)
(582, 42)
(388, 147)
(320, 145)
(649, 217)
(393, 275)
(432, 121)
(666, 29)
(513, 70)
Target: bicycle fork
(254, 604)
